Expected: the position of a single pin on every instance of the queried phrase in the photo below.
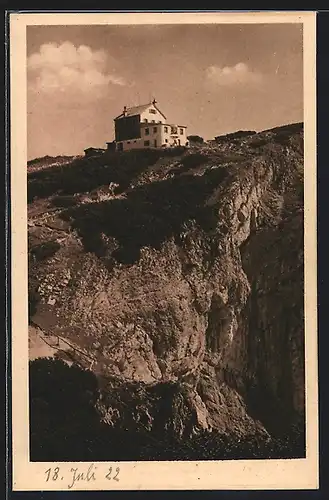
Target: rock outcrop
(181, 289)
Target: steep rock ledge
(185, 292)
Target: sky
(213, 78)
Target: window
(153, 111)
(128, 142)
(160, 121)
(155, 129)
(181, 131)
(166, 130)
(146, 143)
(174, 130)
(135, 141)
(153, 121)
(145, 120)
(147, 131)
(166, 140)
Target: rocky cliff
(176, 279)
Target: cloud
(233, 75)
(64, 67)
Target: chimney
(124, 110)
(154, 102)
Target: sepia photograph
(164, 186)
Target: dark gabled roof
(137, 110)
(94, 149)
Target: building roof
(94, 149)
(137, 110)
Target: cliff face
(177, 279)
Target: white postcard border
(203, 475)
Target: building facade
(145, 126)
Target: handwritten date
(78, 474)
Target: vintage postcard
(163, 211)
